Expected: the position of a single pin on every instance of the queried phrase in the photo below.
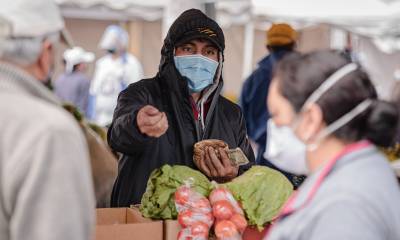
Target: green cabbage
(158, 200)
(262, 192)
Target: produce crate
(126, 224)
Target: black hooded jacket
(169, 93)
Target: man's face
(46, 61)
(198, 46)
(82, 67)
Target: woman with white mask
(327, 123)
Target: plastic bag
(194, 214)
(223, 194)
(229, 216)
(227, 230)
(197, 231)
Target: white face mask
(286, 151)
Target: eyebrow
(187, 43)
(211, 45)
(208, 43)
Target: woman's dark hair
(299, 75)
(396, 100)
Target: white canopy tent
(149, 10)
(378, 19)
(369, 21)
(374, 25)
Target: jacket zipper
(200, 133)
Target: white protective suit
(112, 75)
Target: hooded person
(157, 121)
(113, 73)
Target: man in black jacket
(157, 121)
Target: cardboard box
(126, 224)
(171, 229)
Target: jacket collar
(13, 79)
(272, 58)
(357, 151)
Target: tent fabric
(379, 65)
(377, 19)
(114, 4)
(149, 10)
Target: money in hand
(237, 157)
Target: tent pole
(248, 49)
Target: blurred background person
(395, 97)
(103, 161)
(113, 73)
(73, 85)
(281, 40)
(44, 161)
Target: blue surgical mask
(198, 70)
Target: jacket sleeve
(244, 100)
(124, 135)
(49, 187)
(84, 96)
(244, 144)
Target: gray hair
(24, 51)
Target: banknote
(237, 157)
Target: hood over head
(192, 24)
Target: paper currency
(237, 157)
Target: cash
(237, 157)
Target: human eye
(211, 51)
(187, 48)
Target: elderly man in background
(46, 190)
(113, 73)
(281, 40)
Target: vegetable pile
(194, 214)
(158, 200)
(257, 195)
(197, 214)
(262, 192)
(230, 221)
